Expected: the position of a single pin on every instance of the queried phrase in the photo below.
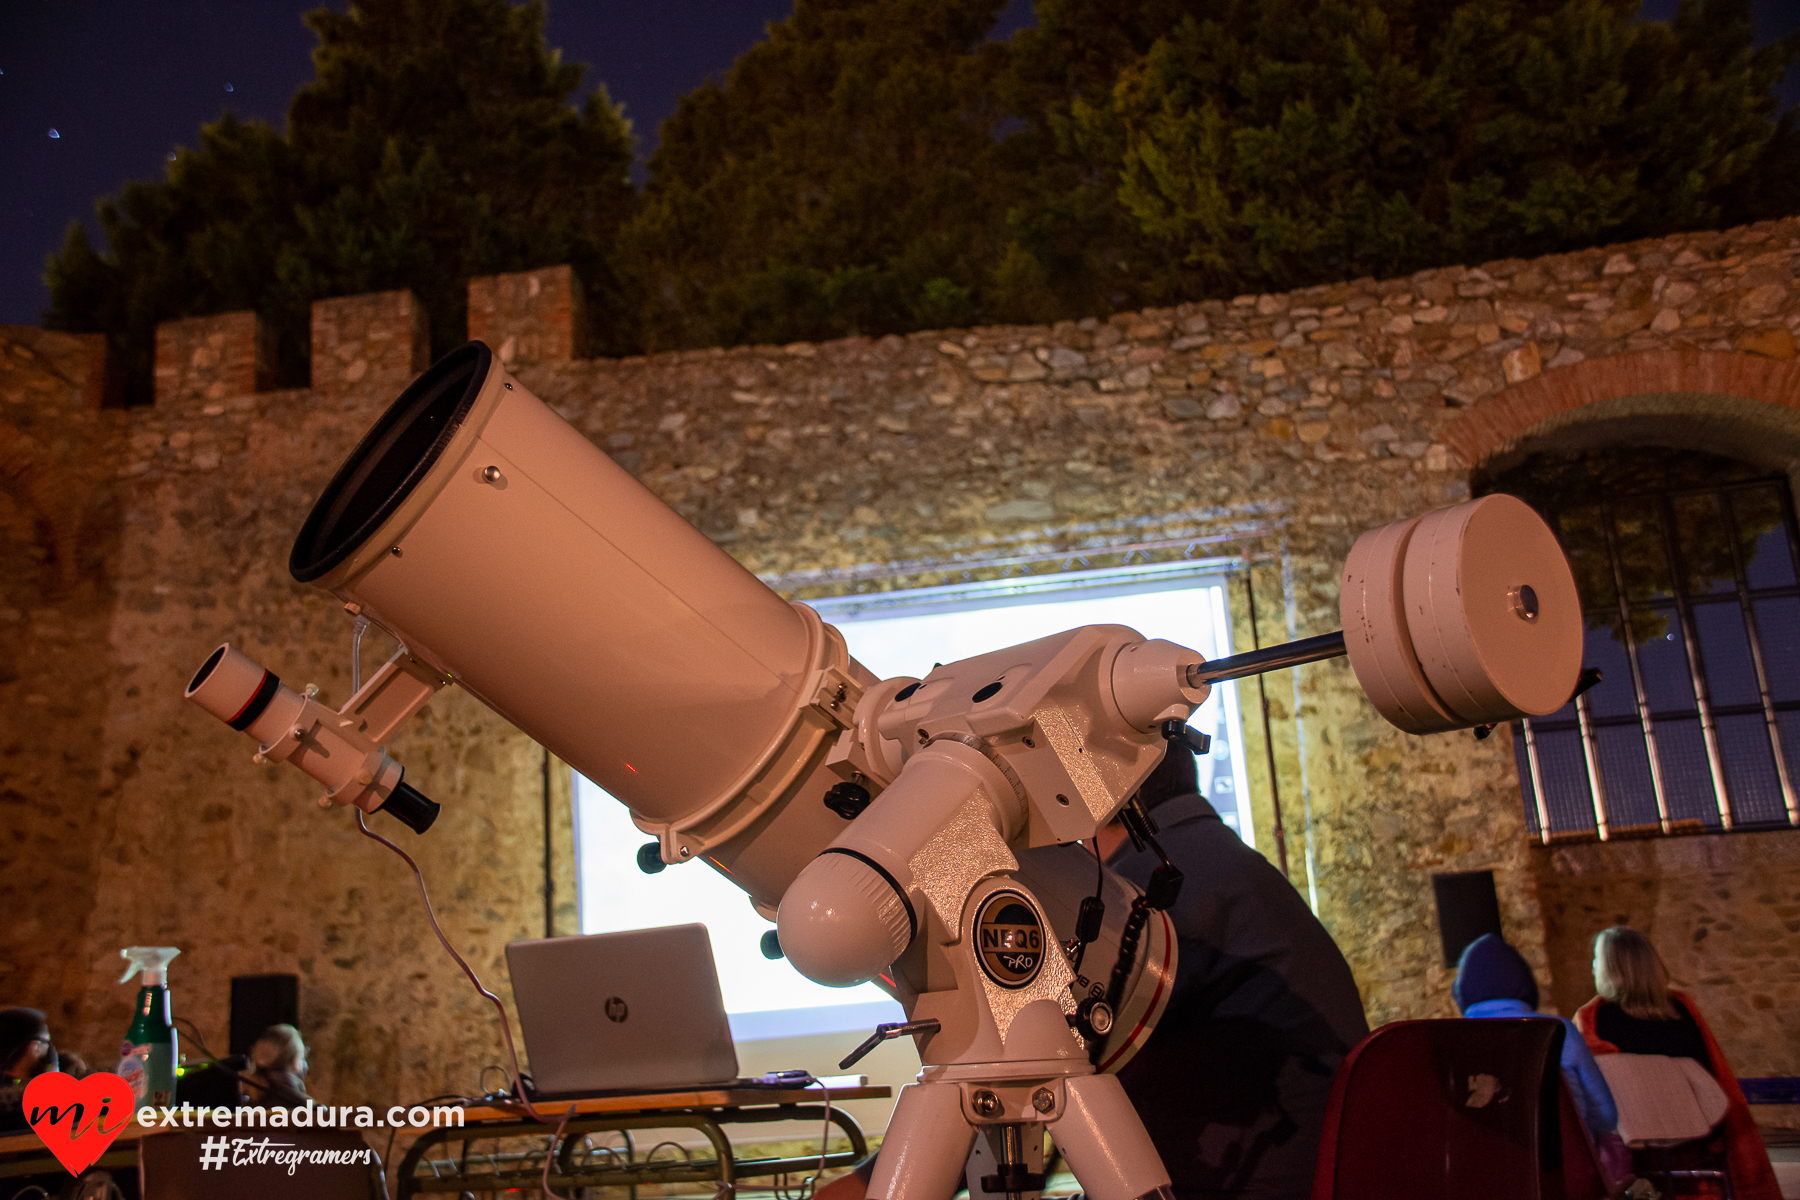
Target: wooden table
(24, 1154)
(706, 1110)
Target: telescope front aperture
(389, 462)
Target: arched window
(1686, 565)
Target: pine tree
(436, 142)
(846, 177)
(1267, 144)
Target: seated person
(1234, 1081)
(277, 1068)
(25, 1053)
(1637, 1012)
(1494, 980)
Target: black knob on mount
(410, 807)
(1094, 1018)
(771, 944)
(649, 856)
(1187, 735)
(847, 800)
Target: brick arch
(1758, 396)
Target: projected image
(760, 994)
(900, 634)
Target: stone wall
(133, 818)
(1267, 431)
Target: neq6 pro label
(1010, 938)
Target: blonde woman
(1637, 1012)
(277, 1067)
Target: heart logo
(77, 1119)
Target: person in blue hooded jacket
(1493, 980)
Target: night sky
(122, 82)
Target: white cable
(810, 1185)
(357, 629)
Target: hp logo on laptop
(616, 1011)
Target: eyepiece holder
(341, 750)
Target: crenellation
(378, 340)
(213, 358)
(530, 316)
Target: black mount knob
(847, 800)
(649, 856)
(771, 944)
(1094, 1018)
(1187, 735)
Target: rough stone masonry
(1266, 431)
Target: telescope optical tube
(502, 548)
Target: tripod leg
(926, 1145)
(1104, 1142)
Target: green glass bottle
(151, 1048)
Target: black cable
(199, 1039)
(1091, 913)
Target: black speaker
(1466, 908)
(207, 1087)
(259, 1001)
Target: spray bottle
(148, 1057)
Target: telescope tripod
(1002, 1059)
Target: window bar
(1590, 753)
(1537, 781)
(1786, 497)
(1792, 526)
(1756, 660)
(1639, 693)
(1696, 661)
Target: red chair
(1581, 1177)
(1474, 1110)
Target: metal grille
(1692, 606)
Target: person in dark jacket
(25, 1053)
(1234, 1082)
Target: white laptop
(634, 1011)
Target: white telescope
(878, 821)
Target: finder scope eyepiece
(411, 807)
